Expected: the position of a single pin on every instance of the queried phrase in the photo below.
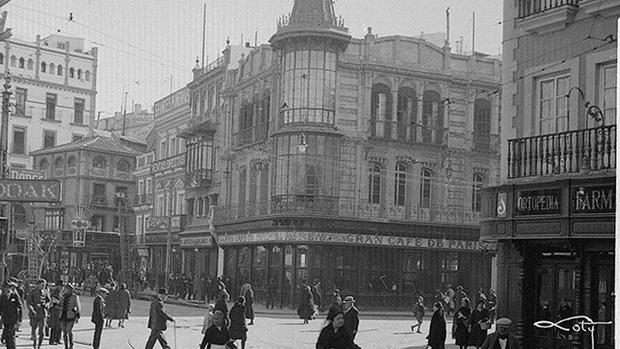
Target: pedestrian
(351, 316)
(39, 301)
(69, 314)
(502, 338)
(208, 320)
(221, 305)
(216, 336)
(305, 306)
(272, 290)
(11, 311)
(419, 310)
(249, 304)
(458, 296)
(481, 296)
(437, 331)
(110, 306)
(123, 305)
(492, 300)
(238, 328)
(440, 297)
(479, 324)
(158, 319)
(97, 316)
(316, 296)
(54, 313)
(461, 322)
(450, 298)
(335, 335)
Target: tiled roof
(94, 141)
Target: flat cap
(503, 322)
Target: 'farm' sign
(29, 190)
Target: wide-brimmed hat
(349, 299)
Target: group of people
(198, 287)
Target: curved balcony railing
(532, 7)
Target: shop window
(288, 256)
(243, 265)
(345, 268)
(259, 268)
(275, 266)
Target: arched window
(374, 184)
(99, 162)
(43, 165)
(381, 111)
(72, 162)
(71, 72)
(482, 124)
(400, 184)
(13, 61)
(1, 58)
(406, 114)
(432, 118)
(43, 67)
(52, 68)
(87, 75)
(79, 74)
(22, 63)
(59, 69)
(476, 199)
(30, 64)
(425, 188)
(59, 163)
(122, 166)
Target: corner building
(553, 214)
(356, 162)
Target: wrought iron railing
(172, 162)
(306, 116)
(251, 135)
(406, 132)
(592, 149)
(308, 205)
(532, 7)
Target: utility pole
(168, 248)
(124, 113)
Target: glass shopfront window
(259, 268)
(345, 268)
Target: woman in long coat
(110, 306)
(462, 319)
(437, 332)
(123, 305)
(249, 304)
(479, 316)
(305, 308)
(238, 328)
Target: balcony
(533, 7)
(306, 116)
(546, 16)
(170, 163)
(198, 178)
(580, 151)
(346, 208)
(251, 135)
(405, 133)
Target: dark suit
(215, 335)
(97, 319)
(11, 310)
(492, 342)
(157, 323)
(352, 321)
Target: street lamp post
(168, 248)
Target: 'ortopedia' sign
(29, 190)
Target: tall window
(400, 184)
(381, 110)
(59, 69)
(99, 162)
(13, 61)
(552, 106)
(476, 199)
(432, 118)
(78, 111)
(482, 124)
(120, 197)
(425, 189)
(30, 64)
(122, 166)
(87, 76)
(19, 140)
(71, 72)
(50, 106)
(21, 95)
(43, 67)
(49, 139)
(406, 113)
(22, 63)
(54, 219)
(96, 223)
(163, 150)
(147, 187)
(608, 93)
(374, 184)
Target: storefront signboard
(29, 190)
(154, 223)
(501, 205)
(593, 199)
(196, 242)
(538, 202)
(352, 239)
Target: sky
(148, 46)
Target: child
(418, 310)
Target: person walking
(158, 319)
(462, 319)
(316, 296)
(351, 316)
(479, 324)
(335, 335)
(69, 315)
(419, 311)
(272, 290)
(305, 307)
(54, 313)
(11, 311)
(492, 300)
(216, 336)
(437, 331)
(249, 304)
(221, 305)
(97, 316)
(238, 329)
(502, 338)
(110, 306)
(450, 298)
(123, 305)
(458, 296)
(38, 301)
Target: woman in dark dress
(437, 332)
(249, 304)
(479, 317)
(216, 336)
(305, 309)
(462, 319)
(335, 335)
(221, 305)
(238, 328)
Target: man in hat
(351, 316)
(157, 321)
(69, 314)
(39, 301)
(97, 316)
(54, 313)
(501, 338)
(11, 311)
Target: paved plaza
(277, 331)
